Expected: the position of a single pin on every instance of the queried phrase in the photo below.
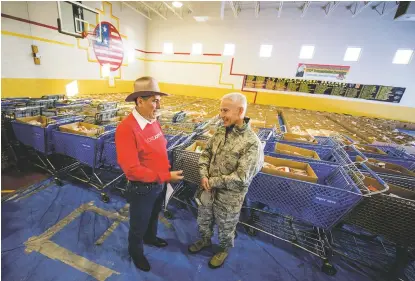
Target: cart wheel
(58, 182)
(168, 215)
(105, 198)
(328, 269)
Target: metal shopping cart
(8, 114)
(88, 151)
(39, 140)
(388, 218)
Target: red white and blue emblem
(110, 50)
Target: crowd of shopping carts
(89, 158)
(314, 216)
(339, 213)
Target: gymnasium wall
(212, 76)
(64, 58)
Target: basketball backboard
(77, 19)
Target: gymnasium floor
(51, 233)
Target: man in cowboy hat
(142, 155)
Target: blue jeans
(145, 200)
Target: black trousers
(145, 205)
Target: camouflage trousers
(225, 220)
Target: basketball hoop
(84, 34)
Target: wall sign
(318, 87)
(322, 71)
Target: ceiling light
(177, 4)
(201, 19)
(307, 52)
(403, 56)
(265, 51)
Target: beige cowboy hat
(143, 87)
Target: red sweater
(142, 154)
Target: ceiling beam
(280, 8)
(136, 10)
(330, 6)
(355, 10)
(383, 12)
(257, 9)
(304, 8)
(173, 10)
(154, 10)
(234, 8)
(189, 7)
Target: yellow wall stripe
(36, 38)
(220, 64)
(34, 87)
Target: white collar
(142, 122)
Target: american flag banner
(110, 50)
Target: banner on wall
(322, 71)
(318, 87)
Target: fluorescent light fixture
(72, 89)
(265, 51)
(201, 18)
(307, 52)
(168, 48)
(197, 49)
(177, 4)
(106, 70)
(403, 56)
(229, 50)
(352, 54)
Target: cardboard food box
(299, 138)
(393, 189)
(279, 162)
(40, 121)
(369, 149)
(295, 151)
(389, 168)
(195, 145)
(84, 129)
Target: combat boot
(199, 245)
(218, 259)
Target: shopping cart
(62, 110)
(318, 207)
(389, 150)
(40, 140)
(265, 134)
(8, 114)
(322, 141)
(43, 103)
(106, 106)
(387, 217)
(53, 97)
(179, 116)
(88, 151)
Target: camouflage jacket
(230, 161)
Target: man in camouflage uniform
(232, 157)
